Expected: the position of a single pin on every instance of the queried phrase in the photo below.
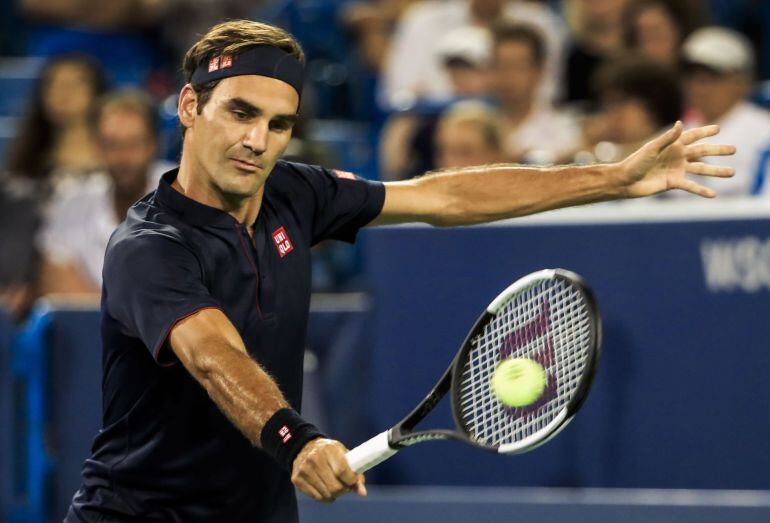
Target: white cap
(470, 44)
(720, 49)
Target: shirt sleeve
(151, 282)
(343, 202)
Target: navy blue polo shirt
(166, 452)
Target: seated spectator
(55, 138)
(596, 31)
(413, 68)
(465, 54)
(82, 218)
(371, 27)
(639, 98)
(657, 28)
(719, 75)
(468, 134)
(408, 137)
(19, 222)
(535, 132)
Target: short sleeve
(151, 282)
(343, 201)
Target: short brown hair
(234, 37)
(655, 85)
(508, 31)
(132, 101)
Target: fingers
(695, 188)
(308, 489)
(693, 135)
(322, 472)
(707, 149)
(361, 485)
(667, 138)
(705, 169)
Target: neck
(243, 208)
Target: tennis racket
(549, 316)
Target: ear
(187, 106)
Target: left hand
(661, 164)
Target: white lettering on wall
(736, 264)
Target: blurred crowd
(436, 83)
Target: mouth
(244, 165)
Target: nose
(255, 139)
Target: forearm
(242, 390)
(489, 193)
(495, 192)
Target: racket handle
(370, 453)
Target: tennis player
(207, 286)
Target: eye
(280, 126)
(240, 115)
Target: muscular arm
(213, 352)
(494, 192)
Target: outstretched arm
(212, 351)
(495, 192)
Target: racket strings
(549, 323)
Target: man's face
(516, 73)
(67, 93)
(462, 144)
(657, 34)
(714, 94)
(243, 130)
(128, 147)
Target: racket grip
(370, 453)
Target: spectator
(468, 134)
(465, 54)
(371, 27)
(597, 36)
(534, 131)
(82, 218)
(657, 28)
(407, 140)
(413, 68)
(19, 222)
(55, 138)
(639, 97)
(719, 74)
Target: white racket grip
(370, 453)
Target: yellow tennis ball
(518, 382)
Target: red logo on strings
(282, 242)
(537, 327)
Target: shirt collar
(190, 210)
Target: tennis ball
(518, 382)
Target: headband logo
(226, 61)
(214, 64)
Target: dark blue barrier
(32, 462)
(504, 505)
(6, 417)
(681, 394)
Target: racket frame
(385, 444)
